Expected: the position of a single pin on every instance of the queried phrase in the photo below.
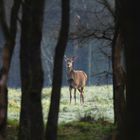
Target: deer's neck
(69, 70)
(70, 73)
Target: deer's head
(69, 61)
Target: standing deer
(76, 79)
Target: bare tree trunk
(119, 83)
(10, 35)
(128, 21)
(31, 117)
(51, 129)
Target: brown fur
(76, 79)
(79, 78)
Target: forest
(69, 70)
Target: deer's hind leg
(70, 89)
(81, 95)
(75, 95)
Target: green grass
(84, 130)
(89, 121)
(98, 104)
(77, 130)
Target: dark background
(92, 54)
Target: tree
(51, 129)
(31, 119)
(9, 36)
(128, 24)
(119, 82)
(119, 75)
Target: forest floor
(92, 120)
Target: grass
(84, 130)
(89, 121)
(76, 130)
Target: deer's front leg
(75, 95)
(70, 94)
(81, 94)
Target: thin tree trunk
(119, 84)
(31, 117)
(51, 129)
(9, 35)
(119, 77)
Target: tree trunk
(51, 129)
(119, 78)
(119, 82)
(10, 36)
(3, 110)
(31, 117)
(128, 21)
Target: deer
(76, 79)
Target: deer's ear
(65, 57)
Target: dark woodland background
(93, 53)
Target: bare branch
(107, 5)
(97, 34)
